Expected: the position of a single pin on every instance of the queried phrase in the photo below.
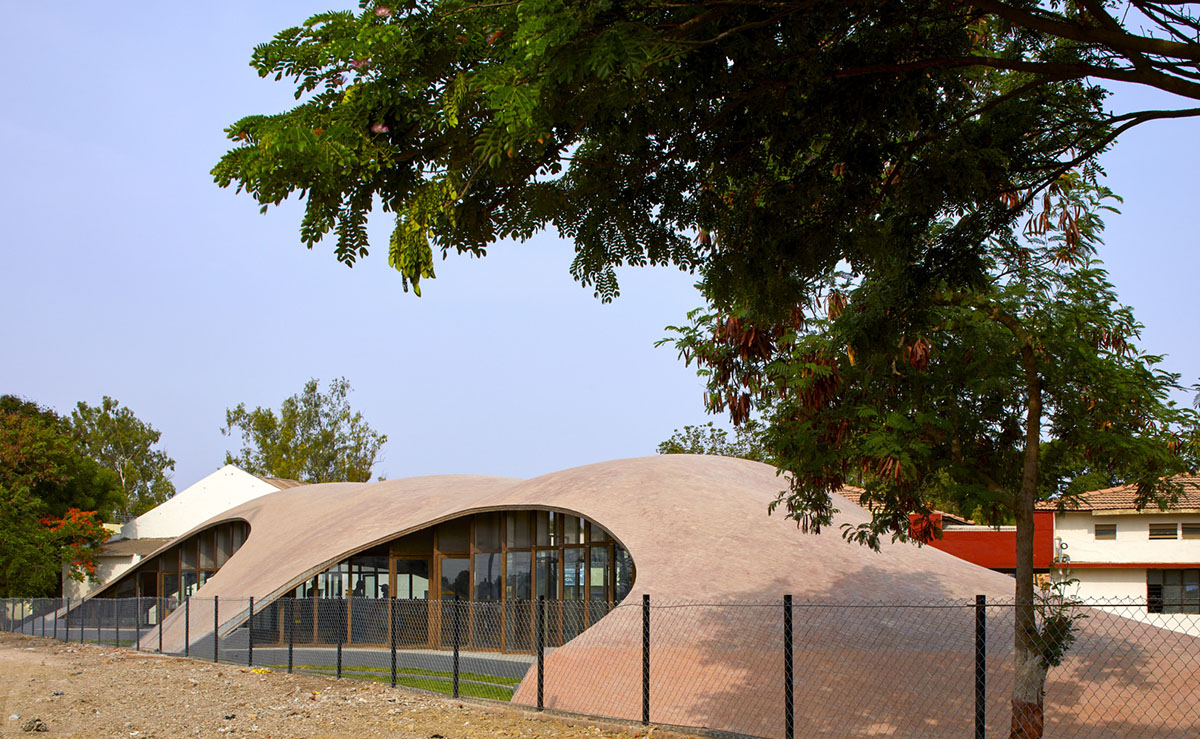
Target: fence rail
(772, 669)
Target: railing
(774, 669)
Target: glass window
(623, 579)
(456, 578)
(487, 532)
(418, 542)
(572, 530)
(598, 574)
(1173, 591)
(1106, 531)
(412, 579)
(516, 527)
(205, 541)
(487, 576)
(454, 536)
(187, 555)
(188, 584)
(223, 540)
(1163, 531)
(547, 574)
(516, 576)
(170, 587)
(547, 529)
(573, 573)
(1191, 530)
(596, 533)
(237, 534)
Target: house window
(1164, 531)
(1106, 531)
(1191, 530)
(1173, 591)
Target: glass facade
(496, 565)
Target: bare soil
(95, 691)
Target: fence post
(67, 622)
(43, 620)
(980, 665)
(99, 618)
(339, 658)
(187, 626)
(117, 621)
(56, 621)
(291, 631)
(645, 658)
(456, 637)
(541, 649)
(216, 623)
(789, 684)
(250, 635)
(22, 615)
(137, 623)
(392, 632)
(158, 610)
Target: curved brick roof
(697, 529)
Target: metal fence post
(56, 605)
(216, 623)
(645, 658)
(980, 665)
(43, 620)
(137, 623)
(291, 624)
(541, 649)
(339, 659)
(789, 685)
(250, 635)
(392, 631)
(187, 625)
(99, 618)
(117, 621)
(158, 610)
(456, 638)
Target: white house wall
(1133, 543)
(220, 491)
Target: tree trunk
(1029, 675)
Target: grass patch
(471, 684)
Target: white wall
(220, 491)
(107, 569)
(1133, 543)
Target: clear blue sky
(128, 273)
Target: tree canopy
(117, 439)
(1029, 388)
(761, 143)
(52, 499)
(315, 437)
(747, 442)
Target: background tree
(119, 440)
(1029, 388)
(52, 499)
(747, 441)
(316, 437)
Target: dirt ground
(94, 691)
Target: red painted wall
(994, 549)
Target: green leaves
(316, 437)
(116, 438)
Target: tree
(785, 136)
(708, 439)
(1029, 388)
(52, 499)
(316, 437)
(119, 440)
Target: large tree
(316, 437)
(119, 440)
(1028, 388)
(52, 499)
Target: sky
(128, 273)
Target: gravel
(95, 691)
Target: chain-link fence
(768, 669)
